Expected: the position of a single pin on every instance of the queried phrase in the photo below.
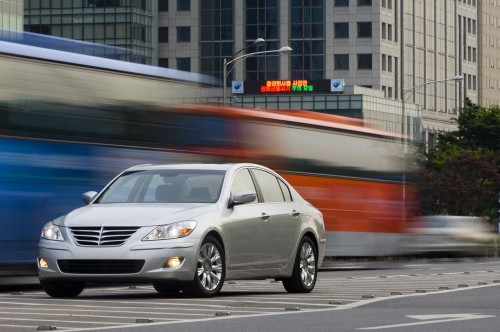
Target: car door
(281, 227)
(241, 227)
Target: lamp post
(257, 43)
(235, 59)
(406, 93)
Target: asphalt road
(397, 296)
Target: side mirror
(242, 197)
(89, 196)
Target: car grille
(102, 235)
(100, 266)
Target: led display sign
(287, 87)
(277, 86)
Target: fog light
(43, 263)
(173, 262)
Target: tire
(305, 268)
(210, 270)
(62, 289)
(167, 286)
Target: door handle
(295, 213)
(265, 216)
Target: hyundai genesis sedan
(185, 228)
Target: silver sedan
(188, 228)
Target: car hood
(132, 214)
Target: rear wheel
(167, 286)
(62, 289)
(210, 270)
(305, 269)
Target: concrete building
(357, 42)
(11, 14)
(488, 53)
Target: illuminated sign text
(279, 86)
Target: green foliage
(461, 175)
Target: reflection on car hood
(132, 214)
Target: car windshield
(165, 186)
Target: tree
(461, 175)
(478, 128)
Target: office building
(359, 43)
(488, 52)
(128, 24)
(11, 14)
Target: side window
(268, 183)
(285, 190)
(242, 181)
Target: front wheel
(210, 270)
(62, 289)
(305, 269)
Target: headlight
(52, 232)
(172, 231)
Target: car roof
(213, 166)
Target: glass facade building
(122, 23)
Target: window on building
(183, 34)
(136, 3)
(184, 64)
(341, 61)
(389, 63)
(306, 20)
(384, 62)
(307, 59)
(384, 31)
(364, 29)
(341, 30)
(44, 29)
(163, 62)
(364, 61)
(163, 35)
(262, 20)
(103, 3)
(138, 32)
(183, 5)
(341, 3)
(307, 38)
(389, 31)
(216, 36)
(364, 2)
(163, 5)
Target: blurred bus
(68, 124)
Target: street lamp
(404, 93)
(456, 78)
(257, 43)
(235, 59)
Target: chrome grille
(102, 235)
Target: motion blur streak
(66, 127)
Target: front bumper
(154, 255)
